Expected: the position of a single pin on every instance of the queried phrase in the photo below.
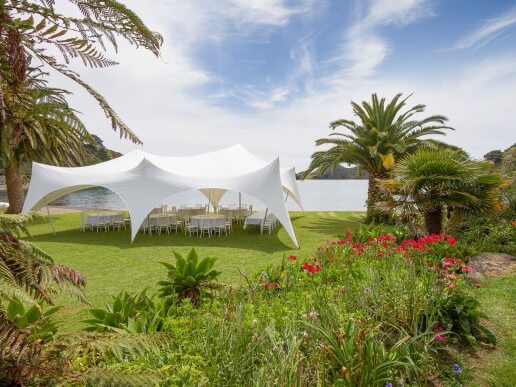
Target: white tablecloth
(103, 218)
(213, 220)
(255, 219)
(236, 213)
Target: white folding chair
(191, 228)
(162, 223)
(205, 227)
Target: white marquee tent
(143, 180)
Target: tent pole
(50, 217)
(263, 220)
(239, 206)
(286, 197)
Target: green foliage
(488, 234)
(460, 314)
(382, 136)
(128, 313)
(429, 180)
(188, 277)
(28, 274)
(34, 28)
(372, 364)
(33, 319)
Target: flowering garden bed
(380, 311)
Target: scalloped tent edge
(143, 180)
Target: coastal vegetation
(383, 134)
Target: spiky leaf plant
(188, 277)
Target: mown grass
(111, 263)
(498, 367)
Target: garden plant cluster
(364, 311)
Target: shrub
(38, 322)
(128, 313)
(460, 314)
(188, 277)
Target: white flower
(254, 322)
(305, 334)
(313, 315)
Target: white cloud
(488, 71)
(488, 31)
(364, 47)
(161, 98)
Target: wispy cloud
(488, 71)
(364, 47)
(488, 31)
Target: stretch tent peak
(143, 180)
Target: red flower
(386, 238)
(438, 329)
(467, 269)
(292, 257)
(311, 268)
(349, 236)
(451, 240)
(451, 285)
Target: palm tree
(432, 180)
(42, 127)
(382, 135)
(35, 29)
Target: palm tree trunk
(375, 195)
(14, 185)
(434, 220)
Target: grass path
(498, 300)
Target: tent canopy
(143, 180)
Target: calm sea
(316, 195)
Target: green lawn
(111, 264)
(498, 368)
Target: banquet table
(234, 213)
(189, 211)
(255, 219)
(104, 218)
(214, 220)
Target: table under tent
(142, 180)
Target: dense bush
(356, 314)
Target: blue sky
(272, 74)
